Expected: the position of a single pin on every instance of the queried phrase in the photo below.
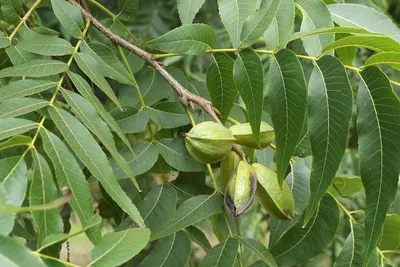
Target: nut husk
(241, 188)
(228, 166)
(244, 135)
(209, 142)
(276, 201)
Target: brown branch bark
(186, 97)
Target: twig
(186, 97)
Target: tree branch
(186, 97)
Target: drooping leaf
(345, 185)
(330, 106)
(351, 253)
(23, 88)
(13, 253)
(223, 254)
(288, 100)
(176, 155)
(379, 149)
(302, 243)
(188, 9)
(111, 251)
(11, 10)
(132, 121)
(127, 9)
(191, 211)
(69, 16)
(220, 84)
(197, 236)
(47, 46)
(19, 56)
(391, 58)
(390, 239)
(69, 174)
(315, 16)
(168, 115)
(259, 249)
(248, 77)
(17, 140)
(35, 68)
(20, 106)
(172, 251)
(4, 42)
(256, 24)
(13, 126)
(376, 43)
(91, 154)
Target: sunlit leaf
(376, 43)
(17, 140)
(345, 185)
(390, 239)
(13, 253)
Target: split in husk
(228, 166)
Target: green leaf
(20, 106)
(188, 9)
(112, 249)
(176, 155)
(86, 113)
(93, 70)
(233, 15)
(35, 68)
(132, 121)
(190, 39)
(86, 91)
(376, 43)
(23, 88)
(256, 24)
(69, 16)
(287, 95)
(302, 243)
(11, 9)
(127, 9)
(220, 84)
(111, 66)
(90, 153)
(197, 236)
(391, 58)
(18, 56)
(46, 45)
(361, 16)
(13, 253)
(223, 254)
(259, 249)
(248, 77)
(4, 42)
(379, 150)
(13, 126)
(315, 16)
(158, 205)
(390, 239)
(43, 191)
(281, 26)
(190, 212)
(330, 107)
(17, 140)
(69, 174)
(351, 253)
(168, 115)
(146, 155)
(346, 54)
(345, 185)
(172, 251)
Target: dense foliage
(102, 133)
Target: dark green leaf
(168, 115)
(13, 126)
(351, 254)
(20, 106)
(19, 56)
(223, 254)
(188, 9)
(13, 253)
(35, 68)
(133, 121)
(23, 88)
(127, 9)
(197, 236)
(259, 249)
(11, 10)
(69, 16)
(46, 45)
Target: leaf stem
(24, 19)
(56, 259)
(274, 148)
(232, 120)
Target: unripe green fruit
(228, 166)
(276, 201)
(241, 188)
(244, 135)
(209, 142)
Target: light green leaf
(188, 9)
(17, 140)
(190, 39)
(220, 84)
(168, 115)
(20, 106)
(351, 254)
(346, 54)
(248, 77)
(35, 68)
(13, 253)
(361, 16)
(11, 10)
(233, 14)
(18, 56)
(69, 16)
(259, 249)
(127, 9)
(13, 126)
(46, 45)
(256, 24)
(197, 236)
(315, 15)
(43, 191)
(112, 249)
(93, 70)
(223, 254)
(288, 100)
(172, 251)
(190, 212)
(69, 174)
(86, 113)
(391, 58)
(4, 42)
(330, 107)
(390, 239)
(23, 88)
(345, 185)
(377, 43)
(379, 150)
(176, 155)
(90, 153)
(132, 121)
(302, 243)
